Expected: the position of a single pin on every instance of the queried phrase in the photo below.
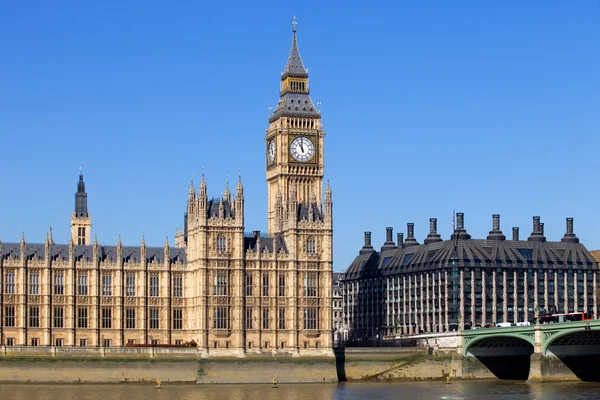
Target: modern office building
(443, 285)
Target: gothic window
(310, 285)
(178, 286)
(82, 317)
(265, 318)
(82, 285)
(154, 321)
(106, 318)
(221, 244)
(130, 285)
(34, 283)
(310, 245)
(10, 283)
(59, 283)
(154, 286)
(265, 285)
(220, 318)
(9, 316)
(130, 318)
(310, 318)
(58, 317)
(177, 318)
(220, 283)
(281, 285)
(282, 318)
(249, 318)
(106, 285)
(249, 285)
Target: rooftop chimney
(367, 248)
(389, 242)
(400, 239)
(410, 235)
(460, 232)
(515, 233)
(537, 235)
(570, 237)
(433, 235)
(496, 233)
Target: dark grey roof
(266, 243)
(294, 66)
(81, 210)
(60, 252)
(303, 212)
(213, 208)
(295, 105)
(335, 278)
(476, 253)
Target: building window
(106, 285)
(310, 318)
(58, 317)
(178, 342)
(106, 318)
(249, 285)
(310, 285)
(178, 286)
(59, 283)
(221, 244)
(10, 341)
(10, 283)
(58, 342)
(105, 342)
(82, 317)
(130, 341)
(154, 321)
(220, 318)
(249, 318)
(82, 285)
(265, 289)
(310, 245)
(34, 317)
(282, 318)
(177, 318)
(34, 283)
(82, 342)
(154, 286)
(130, 285)
(130, 318)
(155, 342)
(265, 318)
(9, 316)
(281, 285)
(35, 341)
(220, 283)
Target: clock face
(271, 151)
(302, 149)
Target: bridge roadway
(536, 352)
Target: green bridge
(536, 352)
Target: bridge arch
(579, 336)
(496, 340)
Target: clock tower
(294, 145)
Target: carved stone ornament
(82, 300)
(34, 299)
(106, 300)
(130, 300)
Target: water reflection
(489, 390)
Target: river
(487, 390)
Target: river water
(486, 390)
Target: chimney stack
(400, 239)
(410, 235)
(460, 232)
(537, 235)
(389, 242)
(515, 233)
(570, 237)
(367, 248)
(460, 221)
(496, 233)
(433, 235)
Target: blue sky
(429, 107)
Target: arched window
(221, 244)
(310, 245)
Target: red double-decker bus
(555, 318)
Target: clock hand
(301, 147)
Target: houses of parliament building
(227, 292)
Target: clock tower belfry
(294, 147)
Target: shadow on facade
(340, 363)
(505, 357)
(579, 352)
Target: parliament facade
(445, 285)
(220, 289)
